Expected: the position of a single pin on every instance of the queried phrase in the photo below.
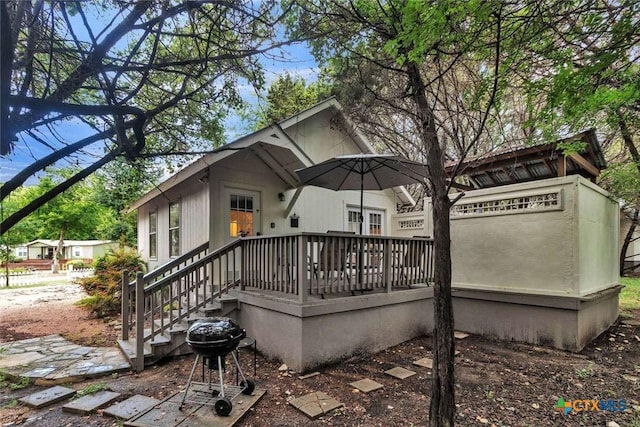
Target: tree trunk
(627, 240)
(56, 255)
(442, 408)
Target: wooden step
(128, 348)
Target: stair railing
(176, 291)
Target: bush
(77, 263)
(104, 288)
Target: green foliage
(623, 180)
(288, 96)
(92, 389)
(630, 295)
(75, 211)
(12, 403)
(13, 383)
(117, 186)
(585, 372)
(77, 263)
(104, 288)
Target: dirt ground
(497, 383)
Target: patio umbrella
(363, 172)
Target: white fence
(27, 278)
(79, 273)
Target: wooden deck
(298, 267)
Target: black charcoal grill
(212, 339)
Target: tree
(588, 77)
(144, 78)
(288, 96)
(429, 81)
(117, 186)
(75, 214)
(403, 56)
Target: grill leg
(220, 376)
(186, 390)
(238, 369)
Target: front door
(242, 213)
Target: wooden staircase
(172, 342)
(199, 284)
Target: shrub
(77, 263)
(104, 287)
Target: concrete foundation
(567, 323)
(318, 332)
(307, 335)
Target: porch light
(281, 196)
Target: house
(38, 252)
(249, 188)
(235, 231)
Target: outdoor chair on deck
(412, 266)
(333, 257)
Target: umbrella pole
(361, 251)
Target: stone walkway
(53, 360)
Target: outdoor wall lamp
(281, 196)
(295, 221)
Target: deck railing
(335, 263)
(302, 265)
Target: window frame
(174, 250)
(153, 234)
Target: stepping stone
(131, 407)
(424, 362)
(91, 402)
(460, 335)
(366, 385)
(400, 373)
(315, 404)
(47, 397)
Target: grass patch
(92, 389)
(630, 295)
(12, 384)
(585, 372)
(13, 403)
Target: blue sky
(297, 61)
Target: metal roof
(530, 163)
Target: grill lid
(211, 333)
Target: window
(174, 229)
(375, 224)
(153, 234)
(21, 252)
(241, 216)
(373, 221)
(353, 222)
(76, 252)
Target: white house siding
(321, 139)
(194, 213)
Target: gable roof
(531, 163)
(259, 142)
